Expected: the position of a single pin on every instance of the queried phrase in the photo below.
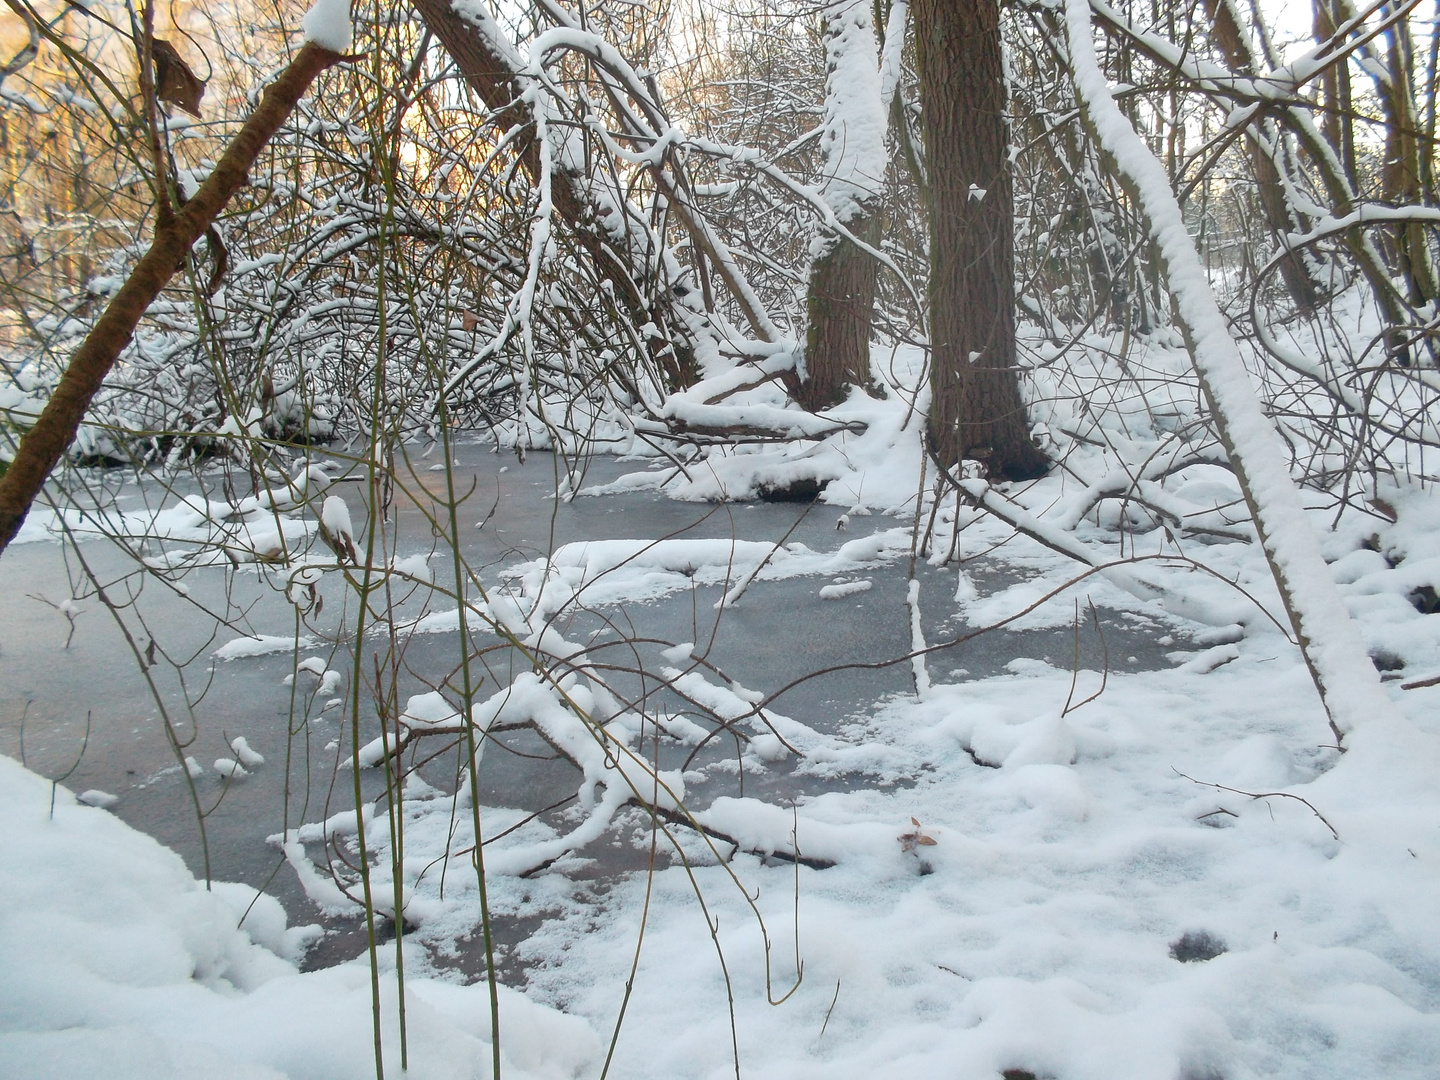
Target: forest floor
(1075, 847)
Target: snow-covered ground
(1180, 877)
(119, 964)
(1059, 922)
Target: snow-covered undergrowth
(1041, 930)
(1179, 878)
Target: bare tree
(492, 70)
(1269, 153)
(42, 446)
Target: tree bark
(40, 448)
(840, 299)
(494, 76)
(839, 310)
(976, 411)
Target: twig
(41, 447)
(1264, 795)
(1418, 684)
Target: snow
(230, 768)
(892, 52)
(1349, 683)
(1071, 864)
(248, 757)
(1090, 859)
(853, 135)
(262, 645)
(327, 24)
(199, 530)
(842, 589)
(336, 526)
(1046, 867)
(118, 963)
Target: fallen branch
(690, 822)
(1339, 666)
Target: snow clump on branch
(327, 24)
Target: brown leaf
(928, 841)
(470, 321)
(915, 822)
(1383, 508)
(175, 83)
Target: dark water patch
(1196, 946)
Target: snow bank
(118, 963)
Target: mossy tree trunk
(839, 307)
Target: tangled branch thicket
(1311, 199)
(528, 229)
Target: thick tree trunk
(840, 300)
(839, 306)
(494, 76)
(976, 411)
(41, 447)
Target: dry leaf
(221, 254)
(916, 836)
(1383, 508)
(175, 83)
(470, 321)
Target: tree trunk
(841, 296)
(976, 411)
(1401, 175)
(839, 306)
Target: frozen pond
(88, 710)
